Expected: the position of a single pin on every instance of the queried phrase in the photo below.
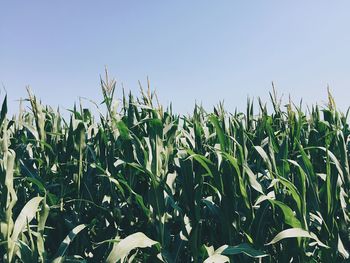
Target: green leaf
(202, 160)
(245, 249)
(66, 242)
(26, 215)
(3, 110)
(253, 180)
(219, 132)
(123, 130)
(294, 233)
(264, 156)
(288, 214)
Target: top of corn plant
(143, 184)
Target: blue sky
(203, 51)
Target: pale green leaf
(122, 249)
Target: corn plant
(139, 183)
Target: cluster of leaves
(143, 184)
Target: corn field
(139, 183)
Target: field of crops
(143, 184)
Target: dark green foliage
(213, 187)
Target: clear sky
(203, 51)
